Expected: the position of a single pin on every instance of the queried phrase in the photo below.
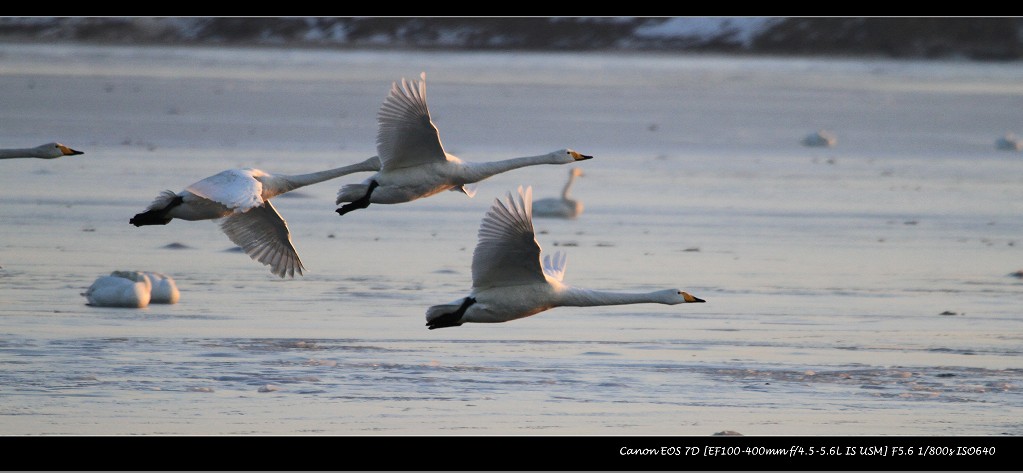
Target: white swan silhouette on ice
(564, 207)
(241, 197)
(162, 288)
(47, 151)
(413, 163)
(510, 282)
(116, 291)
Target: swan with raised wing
(46, 151)
(241, 198)
(510, 280)
(413, 163)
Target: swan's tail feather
(351, 193)
(156, 214)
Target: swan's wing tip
(554, 265)
(469, 189)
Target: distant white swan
(162, 288)
(115, 291)
(565, 207)
(413, 163)
(47, 151)
(509, 281)
(242, 198)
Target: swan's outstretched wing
(406, 135)
(264, 236)
(554, 266)
(234, 188)
(507, 253)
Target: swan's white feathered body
(563, 207)
(162, 288)
(241, 197)
(115, 291)
(46, 151)
(511, 281)
(413, 163)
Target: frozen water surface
(863, 289)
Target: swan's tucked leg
(451, 319)
(361, 202)
(157, 216)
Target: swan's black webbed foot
(361, 202)
(451, 319)
(156, 216)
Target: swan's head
(575, 172)
(565, 156)
(54, 150)
(678, 296)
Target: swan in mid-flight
(565, 207)
(413, 163)
(241, 197)
(116, 291)
(510, 281)
(47, 151)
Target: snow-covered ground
(942, 37)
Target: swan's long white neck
(285, 183)
(17, 153)
(577, 297)
(568, 186)
(475, 172)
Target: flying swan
(241, 197)
(47, 151)
(413, 163)
(565, 207)
(510, 282)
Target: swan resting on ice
(115, 291)
(162, 288)
(46, 151)
(241, 198)
(510, 281)
(132, 289)
(413, 163)
(564, 207)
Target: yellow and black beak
(68, 151)
(689, 298)
(580, 157)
